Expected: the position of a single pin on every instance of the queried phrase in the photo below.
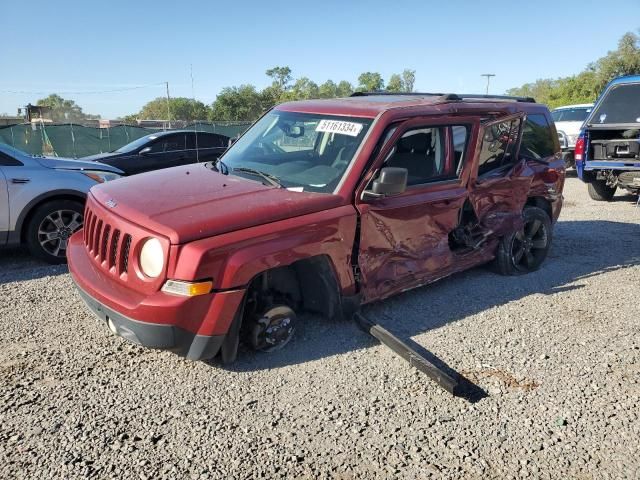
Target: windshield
(619, 105)
(306, 152)
(578, 114)
(136, 144)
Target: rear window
(537, 139)
(621, 104)
(579, 114)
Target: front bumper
(164, 337)
(193, 327)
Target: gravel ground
(556, 355)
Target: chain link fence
(74, 140)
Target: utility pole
(488, 75)
(168, 104)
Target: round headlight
(152, 258)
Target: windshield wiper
(271, 179)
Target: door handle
(20, 181)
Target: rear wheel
(600, 191)
(569, 160)
(50, 227)
(524, 251)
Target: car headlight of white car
(100, 176)
(151, 257)
(572, 139)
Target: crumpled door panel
(498, 200)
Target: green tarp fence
(75, 141)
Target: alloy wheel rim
(56, 228)
(529, 244)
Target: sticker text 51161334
(338, 126)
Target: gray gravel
(556, 353)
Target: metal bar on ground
(416, 360)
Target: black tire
(50, 227)
(600, 191)
(569, 160)
(273, 329)
(524, 251)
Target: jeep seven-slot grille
(108, 245)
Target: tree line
(247, 103)
(585, 86)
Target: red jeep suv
(322, 205)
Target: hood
(100, 156)
(69, 164)
(570, 128)
(193, 202)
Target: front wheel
(600, 191)
(524, 251)
(272, 329)
(50, 227)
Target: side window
(157, 146)
(9, 161)
(174, 142)
(423, 152)
(209, 140)
(191, 141)
(537, 139)
(498, 144)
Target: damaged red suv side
(321, 206)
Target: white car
(569, 120)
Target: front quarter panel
(43, 183)
(233, 259)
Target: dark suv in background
(164, 150)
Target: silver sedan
(42, 200)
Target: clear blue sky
(80, 45)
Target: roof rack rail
(450, 96)
(495, 97)
(393, 94)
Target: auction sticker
(338, 126)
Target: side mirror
(232, 140)
(145, 151)
(390, 181)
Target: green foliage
(395, 83)
(281, 77)
(402, 82)
(63, 110)
(370, 82)
(344, 89)
(587, 85)
(240, 103)
(180, 108)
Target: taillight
(579, 154)
(550, 175)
